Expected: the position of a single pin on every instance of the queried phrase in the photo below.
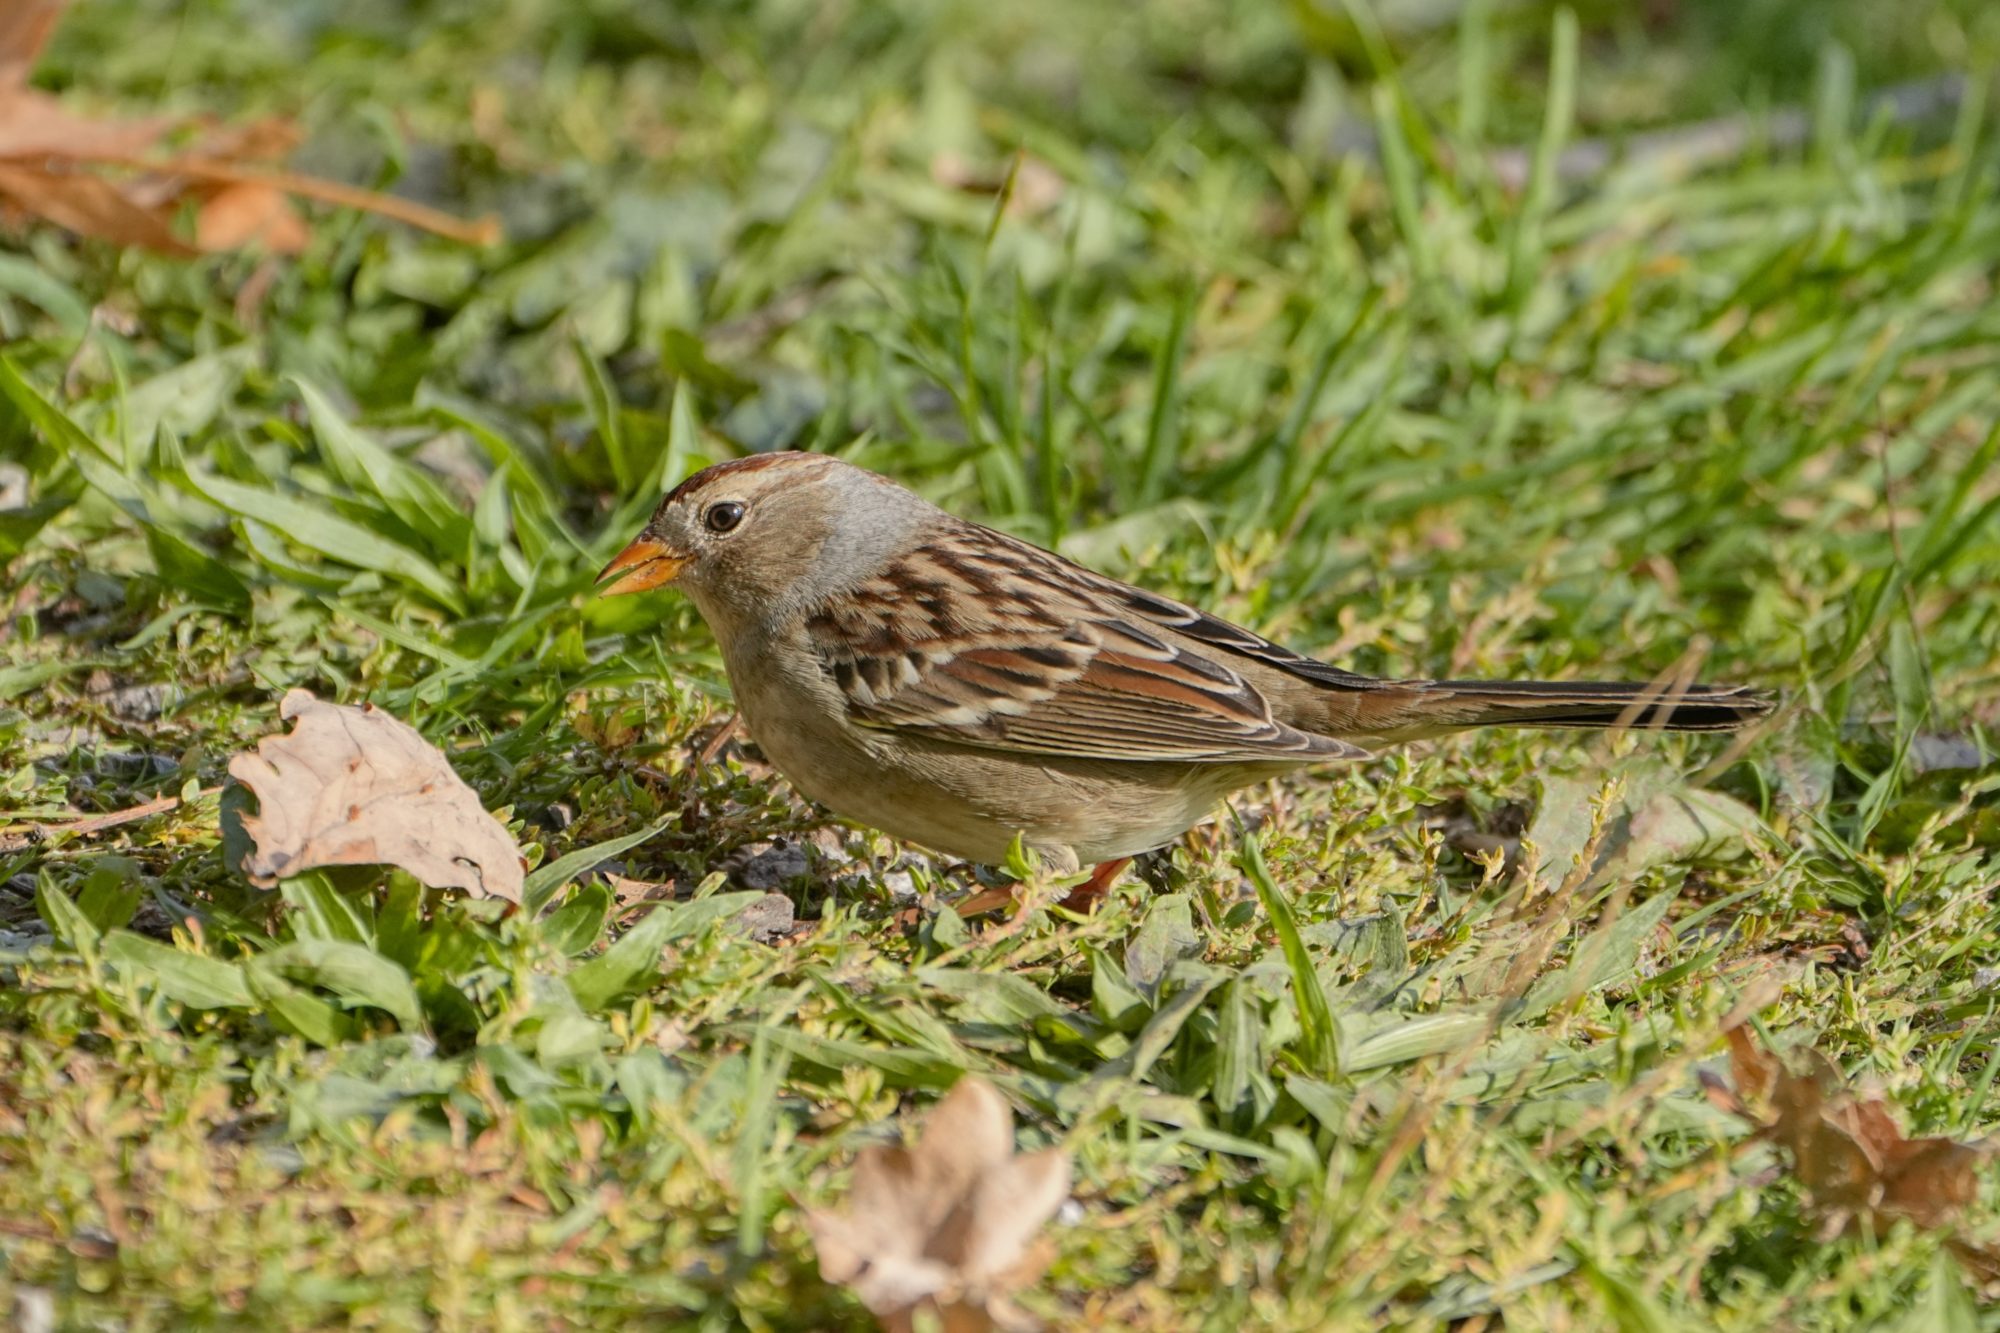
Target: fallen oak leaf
(950, 1225)
(1847, 1151)
(89, 206)
(354, 786)
(237, 215)
(476, 231)
(51, 155)
(25, 26)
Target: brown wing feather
(987, 641)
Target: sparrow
(959, 688)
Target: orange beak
(644, 564)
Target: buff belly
(972, 803)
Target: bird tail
(1594, 704)
(1413, 709)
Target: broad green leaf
(179, 562)
(399, 921)
(293, 1009)
(267, 547)
(576, 925)
(906, 1069)
(1564, 815)
(1679, 825)
(1194, 984)
(19, 526)
(1321, 1037)
(1166, 934)
(192, 979)
(1239, 1060)
(318, 528)
(408, 493)
(187, 568)
(63, 435)
(185, 400)
(32, 282)
(515, 1072)
(543, 881)
(16, 681)
(631, 962)
(565, 1039)
(65, 920)
(1399, 1039)
(323, 912)
(1008, 1000)
(356, 974)
(1608, 956)
(1324, 1102)
(1117, 1001)
(1656, 820)
(648, 1081)
(110, 893)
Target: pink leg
(1085, 896)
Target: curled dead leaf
(89, 206)
(1846, 1150)
(354, 786)
(107, 178)
(950, 1225)
(239, 215)
(1031, 185)
(25, 26)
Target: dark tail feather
(1640, 704)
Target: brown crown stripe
(701, 480)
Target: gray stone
(770, 868)
(767, 920)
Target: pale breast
(963, 801)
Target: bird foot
(1086, 896)
(1083, 898)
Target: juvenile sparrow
(955, 687)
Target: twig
(479, 231)
(86, 825)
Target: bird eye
(723, 517)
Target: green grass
(1374, 403)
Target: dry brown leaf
(25, 26)
(1846, 1150)
(55, 169)
(1037, 186)
(951, 1225)
(354, 786)
(237, 215)
(89, 206)
(35, 127)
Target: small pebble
(137, 703)
(769, 867)
(767, 920)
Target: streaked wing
(983, 640)
(1218, 633)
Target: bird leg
(1083, 898)
(990, 899)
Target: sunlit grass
(1100, 278)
